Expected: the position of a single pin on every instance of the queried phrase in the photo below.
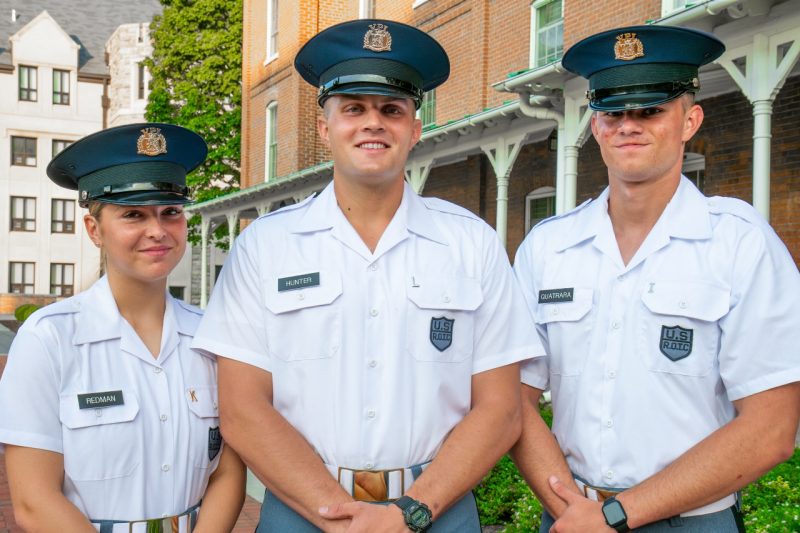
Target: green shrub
(22, 312)
(773, 502)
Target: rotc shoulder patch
(214, 442)
(442, 332)
(676, 342)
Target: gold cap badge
(151, 142)
(628, 47)
(378, 38)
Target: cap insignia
(378, 38)
(151, 142)
(628, 47)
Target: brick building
(506, 136)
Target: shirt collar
(419, 219)
(100, 319)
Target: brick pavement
(248, 518)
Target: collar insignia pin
(628, 47)
(151, 142)
(378, 38)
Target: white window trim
(271, 55)
(536, 4)
(541, 192)
(267, 141)
(135, 100)
(365, 6)
(418, 3)
(668, 7)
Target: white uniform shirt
(644, 360)
(145, 458)
(351, 336)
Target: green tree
(196, 73)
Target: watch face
(614, 513)
(420, 517)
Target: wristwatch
(417, 515)
(615, 515)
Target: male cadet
(671, 320)
(369, 338)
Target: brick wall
(10, 302)
(582, 18)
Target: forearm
(475, 444)
(763, 433)
(224, 495)
(34, 478)
(538, 456)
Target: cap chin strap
(154, 186)
(377, 79)
(672, 86)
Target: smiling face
(370, 137)
(646, 145)
(141, 242)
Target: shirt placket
(373, 359)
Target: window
(176, 292)
(669, 6)
(366, 9)
(63, 216)
(539, 205)
(23, 213)
(59, 145)
(694, 168)
(62, 279)
(272, 29)
(27, 83)
(61, 87)
(271, 155)
(23, 151)
(20, 278)
(141, 82)
(547, 41)
(427, 111)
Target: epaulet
(563, 215)
(443, 206)
(290, 207)
(64, 307)
(733, 206)
(189, 307)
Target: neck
(634, 208)
(368, 209)
(138, 301)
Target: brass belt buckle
(170, 524)
(372, 485)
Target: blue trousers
(277, 517)
(725, 521)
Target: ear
(322, 128)
(416, 133)
(692, 120)
(92, 229)
(594, 124)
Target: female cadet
(109, 418)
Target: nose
(629, 123)
(373, 120)
(155, 228)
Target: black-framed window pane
(27, 83)
(177, 292)
(23, 213)
(141, 85)
(427, 111)
(21, 278)
(59, 145)
(63, 216)
(23, 151)
(61, 87)
(62, 279)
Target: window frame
(668, 7)
(22, 222)
(271, 46)
(694, 168)
(25, 155)
(24, 283)
(61, 97)
(271, 141)
(535, 30)
(67, 226)
(34, 91)
(546, 192)
(142, 81)
(427, 109)
(53, 146)
(64, 289)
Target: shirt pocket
(569, 331)
(441, 318)
(305, 324)
(100, 443)
(206, 439)
(680, 333)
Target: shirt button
(609, 423)
(165, 468)
(682, 305)
(612, 374)
(157, 370)
(621, 277)
(301, 296)
(371, 413)
(98, 413)
(373, 363)
(610, 474)
(369, 466)
(373, 267)
(373, 312)
(554, 311)
(446, 299)
(163, 418)
(616, 325)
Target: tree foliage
(196, 73)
